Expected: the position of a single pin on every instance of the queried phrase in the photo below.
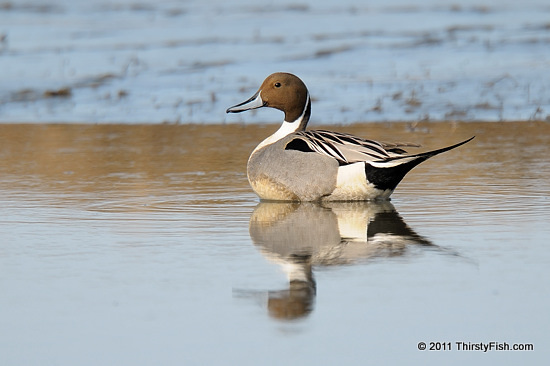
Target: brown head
(283, 91)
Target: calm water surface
(131, 61)
(144, 245)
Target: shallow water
(131, 61)
(144, 245)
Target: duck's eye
(277, 85)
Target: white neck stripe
(286, 129)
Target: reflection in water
(299, 236)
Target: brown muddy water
(143, 244)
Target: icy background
(134, 61)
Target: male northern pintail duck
(298, 165)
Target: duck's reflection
(298, 236)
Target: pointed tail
(429, 154)
(388, 173)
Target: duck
(295, 164)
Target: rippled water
(131, 61)
(144, 245)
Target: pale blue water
(117, 250)
(158, 265)
(187, 61)
(88, 286)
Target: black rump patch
(300, 145)
(389, 178)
